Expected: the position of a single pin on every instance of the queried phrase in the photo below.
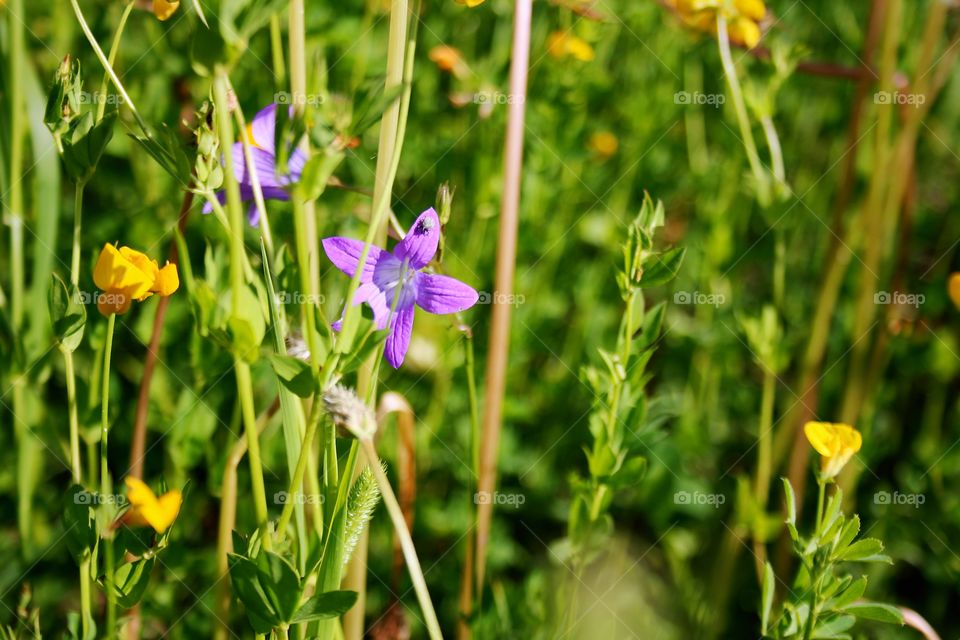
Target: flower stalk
(242, 369)
(506, 265)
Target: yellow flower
(470, 3)
(561, 44)
(163, 9)
(147, 509)
(603, 143)
(447, 59)
(743, 18)
(836, 443)
(953, 288)
(125, 275)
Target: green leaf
(664, 267)
(766, 598)
(244, 577)
(280, 582)
(331, 604)
(67, 314)
(295, 374)
(316, 173)
(79, 521)
(851, 593)
(130, 581)
(833, 628)
(875, 611)
(866, 550)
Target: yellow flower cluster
(835, 442)
(125, 275)
(743, 17)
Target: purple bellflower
(260, 137)
(395, 277)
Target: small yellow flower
(125, 275)
(953, 288)
(147, 509)
(603, 143)
(743, 18)
(835, 442)
(561, 44)
(470, 3)
(163, 9)
(448, 59)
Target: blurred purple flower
(396, 275)
(260, 136)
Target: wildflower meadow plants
(479, 319)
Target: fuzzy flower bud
(349, 414)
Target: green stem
(821, 490)
(406, 542)
(740, 108)
(17, 59)
(114, 48)
(77, 225)
(296, 481)
(237, 283)
(105, 471)
(108, 68)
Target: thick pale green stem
(740, 108)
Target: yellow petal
(168, 280)
(470, 3)
(753, 9)
(163, 9)
(164, 511)
(953, 289)
(580, 49)
(744, 31)
(557, 44)
(821, 437)
(138, 493)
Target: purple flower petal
(344, 253)
(401, 326)
(262, 128)
(264, 163)
(443, 294)
(420, 244)
(369, 293)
